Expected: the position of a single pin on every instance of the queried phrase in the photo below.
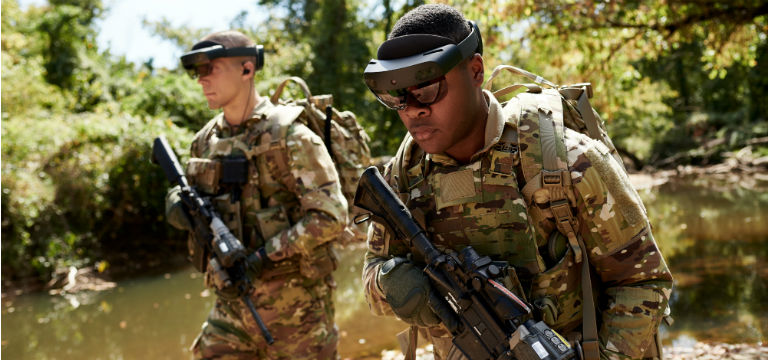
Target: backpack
(345, 139)
(547, 111)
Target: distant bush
(76, 188)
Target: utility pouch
(557, 295)
(234, 170)
(196, 254)
(269, 221)
(204, 174)
(230, 213)
(556, 247)
(511, 281)
(320, 263)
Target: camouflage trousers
(298, 312)
(442, 342)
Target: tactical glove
(229, 288)
(254, 263)
(407, 291)
(218, 277)
(175, 212)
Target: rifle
(486, 320)
(210, 233)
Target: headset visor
(197, 61)
(392, 80)
(425, 93)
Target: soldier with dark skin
(444, 173)
(288, 210)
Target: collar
(494, 127)
(228, 130)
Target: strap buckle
(552, 178)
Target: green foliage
(167, 94)
(619, 46)
(23, 75)
(76, 179)
(329, 44)
(71, 183)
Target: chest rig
(478, 204)
(247, 175)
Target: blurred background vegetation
(678, 83)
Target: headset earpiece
(246, 71)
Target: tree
(626, 49)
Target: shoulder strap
(275, 98)
(551, 173)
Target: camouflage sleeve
(635, 281)
(200, 141)
(319, 194)
(381, 247)
(377, 254)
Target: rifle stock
(211, 235)
(483, 314)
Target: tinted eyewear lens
(198, 71)
(425, 93)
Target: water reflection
(150, 318)
(159, 317)
(716, 243)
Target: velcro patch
(456, 185)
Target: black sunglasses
(425, 93)
(198, 71)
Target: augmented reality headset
(393, 72)
(197, 61)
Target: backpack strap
(275, 98)
(553, 175)
(580, 93)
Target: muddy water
(715, 241)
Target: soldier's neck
(474, 141)
(239, 111)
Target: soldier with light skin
(454, 126)
(284, 202)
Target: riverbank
(739, 169)
(696, 351)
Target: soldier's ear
(247, 67)
(477, 69)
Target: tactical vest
(249, 180)
(481, 204)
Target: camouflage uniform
(482, 204)
(293, 206)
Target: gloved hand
(229, 288)
(407, 291)
(218, 278)
(254, 263)
(175, 212)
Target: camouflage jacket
(291, 203)
(480, 204)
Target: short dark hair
(232, 39)
(435, 19)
